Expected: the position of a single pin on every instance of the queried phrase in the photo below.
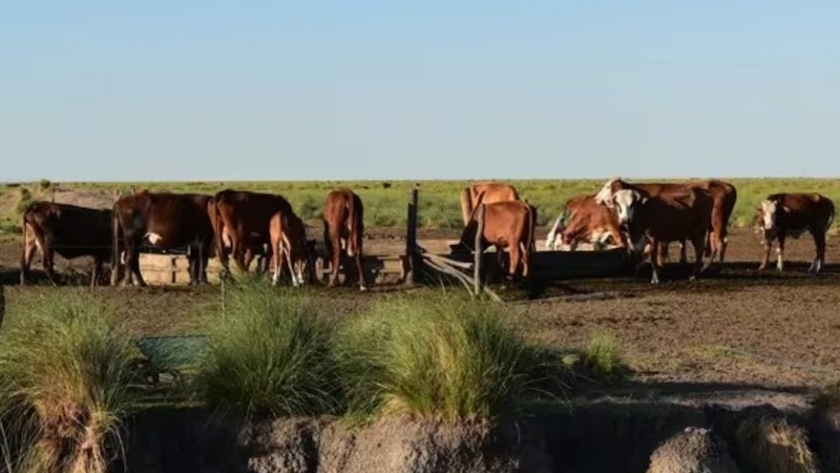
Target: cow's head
(625, 202)
(605, 195)
(554, 239)
(767, 212)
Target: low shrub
(268, 354)
(65, 369)
(447, 357)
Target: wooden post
(479, 235)
(411, 239)
(2, 304)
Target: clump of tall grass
(602, 360)
(65, 369)
(447, 358)
(268, 353)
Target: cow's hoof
(363, 288)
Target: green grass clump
(65, 369)
(268, 353)
(601, 358)
(447, 358)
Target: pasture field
(385, 201)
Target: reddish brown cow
(782, 215)
(166, 221)
(584, 220)
(68, 230)
(664, 218)
(723, 194)
(486, 192)
(507, 225)
(344, 227)
(289, 245)
(242, 218)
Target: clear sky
(277, 90)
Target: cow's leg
(655, 255)
(724, 244)
(514, 252)
(30, 245)
(780, 253)
(49, 261)
(683, 250)
(664, 254)
(765, 260)
(819, 241)
(699, 244)
(132, 258)
(97, 271)
(335, 244)
(357, 255)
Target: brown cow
(344, 227)
(507, 225)
(289, 245)
(486, 192)
(584, 220)
(782, 215)
(664, 218)
(165, 221)
(68, 230)
(723, 194)
(241, 222)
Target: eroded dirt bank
(605, 436)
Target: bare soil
(736, 334)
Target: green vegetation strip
(385, 201)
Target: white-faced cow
(664, 218)
(782, 215)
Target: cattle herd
(640, 217)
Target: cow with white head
(782, 215)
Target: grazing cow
(507, 225)
(664, 218)
(289, 245)
(68, 230)
(344, 228)
(166, 221)
(723, 194)
(485, 192)
(584, 220)
(782, 215)
(241, 222)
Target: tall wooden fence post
(479, 235)
(411, 253)
(2, 304)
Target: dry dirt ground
(735, 330)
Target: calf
(507, 225)
(344, 227)
(583, 219)
(289, 245)
(782, 215)
(664, 218)
(68, 230)
(166, 221)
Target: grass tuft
(65, 369)
(447, 358)
(268, 353)
(602, 358)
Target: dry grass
(772, 445)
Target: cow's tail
(466, 205)
(830, 221)
(532, 239)
(115, 244)
(218, 236)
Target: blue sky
(202, 90)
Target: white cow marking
(154, 238)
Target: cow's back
(75, 231)
(674, 216)
(803, 210)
